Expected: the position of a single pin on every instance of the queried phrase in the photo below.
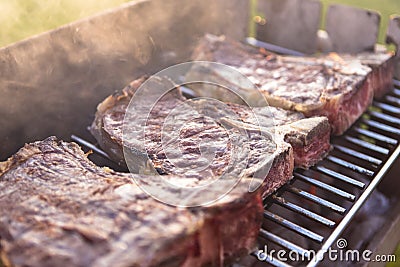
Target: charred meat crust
(303, 132)
(292, 128)
(91, 216)
(281, 170)
(309, 139)
(342, 114)
(109, 133)
(382, 76)
(117, 102)
(315, 86)
(107, 126)
(382, 65)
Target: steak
(309, 137)
(184, 151)
(59, 209)
(382, 65)
(107, 126)
(181, 152)
(338, 88)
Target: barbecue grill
(383, 130)
(51, 84)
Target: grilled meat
(59, 209)
(340, 88)
(266, 135)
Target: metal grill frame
(389, 105)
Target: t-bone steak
(338, 87)
(295, 140)
(57, 208)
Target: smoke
(20, 19)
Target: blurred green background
(20, 19)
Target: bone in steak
(309, 137)
(59, 209)
(338, 88)
(382, 65)
(107, 126)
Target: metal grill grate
(330, 193)
(336, 186)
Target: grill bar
(396, 83)
(350, 165)
(270, 260)
(382, 126)
(376, 136)
(187, 92)
(90, 146)
(357, 154)
(387, 107)
(284, 243)
(316, 199)
(272, 47)
(294, 227)
(340, 176)
(291, 206)
(367, 145)
(325, 186)
(392, 99)
(385, 117)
